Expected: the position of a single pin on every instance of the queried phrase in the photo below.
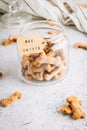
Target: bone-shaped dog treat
(53, 73)
(49, 60)
(49, 67)
(81, 45)
(38, 69)
(6, 102)
(76, 108)
(42, 68)
(10, 40)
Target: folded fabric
(64, 11)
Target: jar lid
(15, 16)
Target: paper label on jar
(29, 44)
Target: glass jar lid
(15, 16)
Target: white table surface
(39, 107)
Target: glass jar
(44, 56)
(15, 17)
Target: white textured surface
(39, 107)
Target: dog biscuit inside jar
(43, 57)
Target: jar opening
(48, 30)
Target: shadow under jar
(49, 64)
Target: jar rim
(57, 25)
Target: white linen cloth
(64, 11)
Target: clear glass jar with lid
(43, 49)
